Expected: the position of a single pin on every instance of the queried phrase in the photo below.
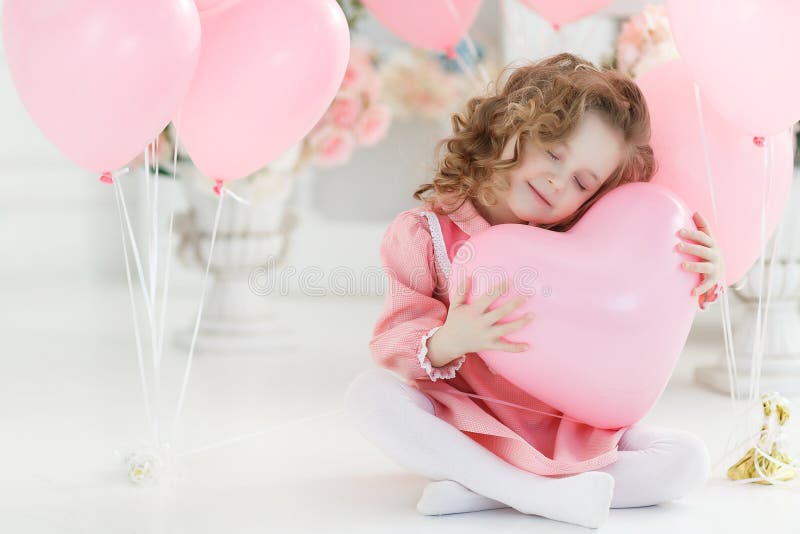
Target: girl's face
(547, 186)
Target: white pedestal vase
(237, 318)
(780, 367)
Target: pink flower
(373, 125)
(345, 110)
(360, 56)
(373, 86)
(359, 69)
(353, 77)
(645, 41)
(414, 84)
(331, 146)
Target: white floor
(70, 397)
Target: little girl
(558, 135)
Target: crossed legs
(654, 465)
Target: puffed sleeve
(411, 315)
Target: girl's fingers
(509, 347)
(698, 236)
(698, 267)
(485, 300)
(496, 314)
(512, 326)
(701, 223)
(703, 287)
(697, 250)
(461, 292)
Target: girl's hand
(471, 328)
(711, 266)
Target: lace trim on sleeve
(447, 371)
(439, 248)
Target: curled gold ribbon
(768, 462)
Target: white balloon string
(733, 379)
(153, 283)
(794, 227)
(140, 272)
(514, 405)
(182, 395)
(771, 270)
(757, 343)
(168, 261)
(147, 227)
(476, 60)
(235, 197)
(135, 249)
(730, 358)
(738, 415)
(151, 230)
(154, 226)
(162, 311)
(469, 73)
(243, 437)
(136, 329)
(147, 164)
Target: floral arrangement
(645, 40)
(427, 85)
(356, 117)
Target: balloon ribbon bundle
(762, 467)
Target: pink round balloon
(737, 166)
(745, 74)
(613, 307)
(101, 79)
(268, 71)
(206, 5)
(560, 12)
(437, 25)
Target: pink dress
(416, 252)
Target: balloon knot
(217, 187)
(451, 52)
(106, 178)
(758, 141)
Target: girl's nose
(553, 183)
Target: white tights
(654, 464)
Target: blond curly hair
(543, 102)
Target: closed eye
(553, 156)
(579, 183)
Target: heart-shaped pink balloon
(268, 71)
(612, 305)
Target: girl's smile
(537, 195)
